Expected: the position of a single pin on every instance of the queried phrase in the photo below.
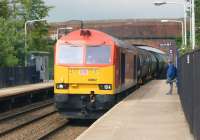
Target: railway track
(25, 109)
(11, 121)
(70, 131)
(37, 121)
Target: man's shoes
(169, 93)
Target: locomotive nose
(87, 80)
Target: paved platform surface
(11, 91)
(148, 114)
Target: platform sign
(188, 59)
(170, 55)
(165, 45)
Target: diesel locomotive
(93, 68)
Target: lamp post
(182, 27)
(58, 30)
(182, 30)
(25, 33)
(185, 15)
(193, 24)
(69, 28)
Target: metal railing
(12, 76)
(189, 89)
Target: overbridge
(150, 32)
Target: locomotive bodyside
(91, 70)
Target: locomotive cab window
(98, 54)
(69, 54)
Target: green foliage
(187, 49)
(13, 15)
(182, 48)
(8, 38)
(34, 9)
(37, 32)
(179, 42)
(197, 11)
(4, 9)
(37, 37)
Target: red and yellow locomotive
(91, 69)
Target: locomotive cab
(93, 71)
(82, 69)
(84, 75)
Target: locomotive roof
(109, 38)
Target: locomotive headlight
(62, 86)
(105, 87)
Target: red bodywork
(95, 38)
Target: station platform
(14, 91)
(147, 114)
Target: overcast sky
(111, 9)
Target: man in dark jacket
(171, 75)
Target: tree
(13, 15)
(37, 37)
(38, 31)
(4, 9)
(34, 9)
(8, 38)
(197, 11)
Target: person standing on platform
(171, 75)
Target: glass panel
(69, 54)
(98, 55)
